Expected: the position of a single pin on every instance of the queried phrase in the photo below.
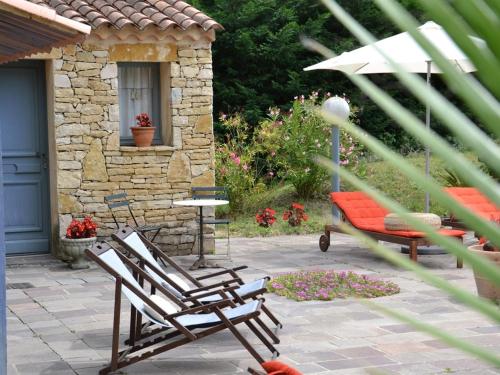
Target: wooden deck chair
(366, 215)
(173, 328)
(135, 243)
(475, 201)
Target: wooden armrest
(210, 293)
(231, 271)
(208, 307)
(208, 287)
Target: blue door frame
(3, 302)
(23, 119)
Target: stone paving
(62, 325)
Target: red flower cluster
(81, 229)
(295, 215)
(266, 217)
(143, 120)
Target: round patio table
(201, 262)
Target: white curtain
(135, 85)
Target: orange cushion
(279, 368)
(474, 200)
(366, 214)
(359, 208)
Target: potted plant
(80, 235)
(144, 130)
(486, 249)
(295, 215)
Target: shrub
(283, 148)
(327, 285)
(234, 161)
(292, 141)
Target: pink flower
(273, 153)
(236, 160)
(245, 167)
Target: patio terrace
(62, 325)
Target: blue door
(23, 122)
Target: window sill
(150, 148)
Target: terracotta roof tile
(140, 13)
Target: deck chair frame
(135, 351)
(412, 242)
(125, 231)
(255, 372)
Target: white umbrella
(403, 49)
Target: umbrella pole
(335, 175)
(428, 127)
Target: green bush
(234, 162)
(282, 149)
(292, 141)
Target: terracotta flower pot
(143, 136)
(485, 288)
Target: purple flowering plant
(327, 285)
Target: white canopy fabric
(403, 49)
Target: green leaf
(484, 22)
(484, 105)
(484, 60)
(443, 109)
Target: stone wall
(92, 164)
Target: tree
(259, 59)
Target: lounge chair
(149, 256)
(174, 328)
(366, 215)
(474, 200)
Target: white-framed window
(139, 91)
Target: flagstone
(66, 320)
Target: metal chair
(120, 200)
(217, 193)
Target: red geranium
(265, 218)
(81, 229)
(143, 120)
(295, 215)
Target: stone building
(80, 100)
